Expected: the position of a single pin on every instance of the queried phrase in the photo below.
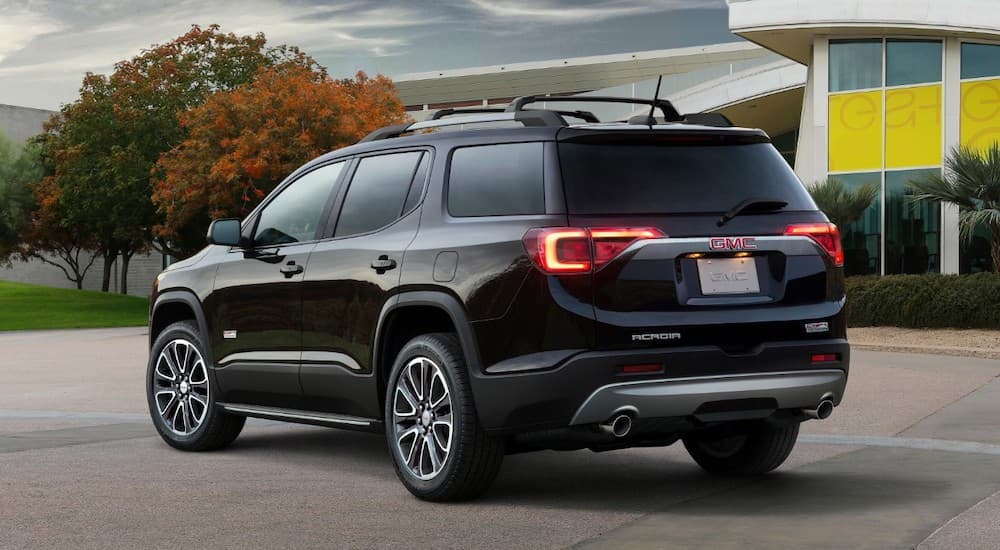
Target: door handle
(290, 269)
(383, 264)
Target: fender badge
(812, 328)
(229, 334)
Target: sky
(46, 46)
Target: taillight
(565, 250)
(826, 234)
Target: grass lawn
(39, 307)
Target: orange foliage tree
(241, 143)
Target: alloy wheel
(180, 387)
(422, 419)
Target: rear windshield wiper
(751, 205)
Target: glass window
(642, 178)
(377, 192)
(980, 60)
(496, 180)
(294, 215)
(862, 239)
(855, 65)
(912, 62)
(912, 229)
(417, 187)
(974, 256)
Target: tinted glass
(294, 215)
(496, 180)
(980, 60)
(657, 179)
(417, 187)
(377, 192)
(862, 239)
(912, 229)
(912, 62)
(855, 65)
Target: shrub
(925, 301)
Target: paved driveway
(911, 457)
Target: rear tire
(757, 451)
(440, 450)
(181, 392)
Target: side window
(294, 215)
(417, 187)
(377, 193)
(496, 180)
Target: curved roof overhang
(768, 97)
(788, 27)
(564, 76)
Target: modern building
(858, 90)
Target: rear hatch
(670, 267)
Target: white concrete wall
(141, 273)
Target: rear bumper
(588, 387)
(688, 396)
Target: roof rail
(530, 117)
(670, 113)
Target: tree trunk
(995, 246)
(126, 256)
(109, 257)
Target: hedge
(925, 301)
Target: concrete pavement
(910, 458)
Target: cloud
(560, 12)
(18, 27)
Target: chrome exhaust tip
(618, 426)
(822, 411)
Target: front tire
(440, 451)
(757, 451)
(181, 393)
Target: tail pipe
(822, 411)
(619, 425)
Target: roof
(564, 76)
(788, 27)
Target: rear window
(496, 180)
(638, 178)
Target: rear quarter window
(496, 180)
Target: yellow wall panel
(856, 132)
(980, 113)
(913, 127)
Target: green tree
(105, 144)
(841, 205)
(971, 181)
(20, 166)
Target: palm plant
(843, 206)
(971, 180)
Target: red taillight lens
(826, 234)
(824, 357)
(566, 250)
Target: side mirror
(225, 232)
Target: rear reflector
(824, 357)
(641, 369)
(826, 234)
(566, 250)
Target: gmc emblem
(732, 243)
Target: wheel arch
(437, 312)
(178, 305)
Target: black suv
(496, 282)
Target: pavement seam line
(925, 417)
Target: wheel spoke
(409, 376)
(435, 403)
(436, 428)
(165, 356)
(187, 358)
(198, 370)
(408, 398)
(432, 453)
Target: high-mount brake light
(568, 250)
(825, 234)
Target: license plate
(728, 276)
